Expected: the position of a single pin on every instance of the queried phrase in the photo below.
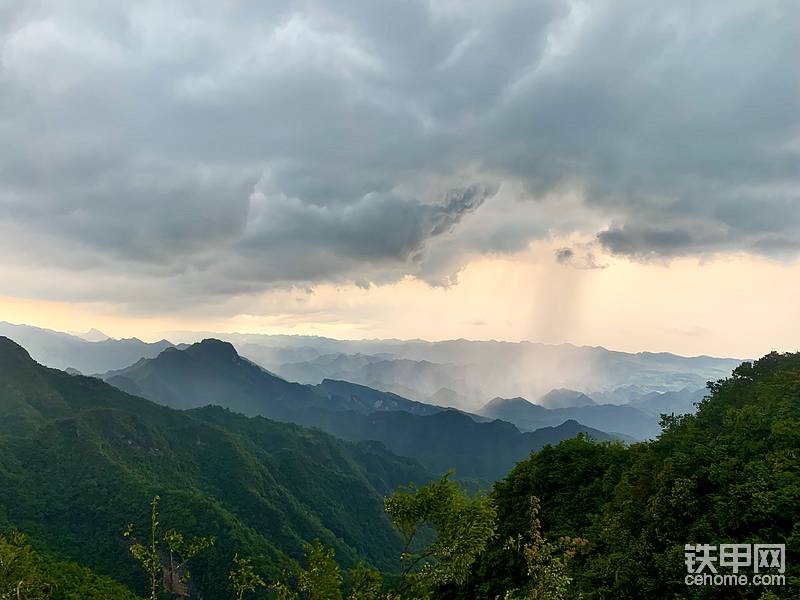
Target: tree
(180, 552)
(26, 574)
(365, 584)
(461, 527)
(20, 575)
(244, 578)
(178, 549)
(547, 561)
(283, 591)
(322, 580)
(147, 555)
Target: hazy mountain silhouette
(93, 335)
(476, 370)
(211, 372)
(62, 350)
(680, 402)
(414, 369)
(623, 419)
(564, 398)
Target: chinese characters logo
(735, 564)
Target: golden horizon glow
(735, 305)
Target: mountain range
(467, 373)
(462, 374)
(236, 451)
(637, 420)
(626, 421)
(212, 372)
(62, 350)
(80, 458)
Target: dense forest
(257, 509)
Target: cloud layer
(216, 149)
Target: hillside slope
(728, 474)
(79, 459)
(212, 372)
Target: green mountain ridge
(80, 458)
(211, 372)
(728, 474)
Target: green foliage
(573, 480)
(443, 531)
(283, 591)
(728, 474)
(181, 551)
(462, 527)
(322, 579)
(612, 520)
(28, 575)
(20, 573)
(178, 549)
(91, 455)
(244, 577)
(546, 561)
(365, 583)
(147, 555)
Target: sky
(610, 173)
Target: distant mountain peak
(565, 398)
(515, 400)
(499, 402)
(93, 335)
(213, 347)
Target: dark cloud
(214, 150)
(644, 242)
(579, 257)
(458, 203)
(378, 235)
(564, 255)
(682, 125)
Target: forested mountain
(211, 372)
(27, 574)
(623, 419)
(80, 458)
(367, 400)
(450, 439)
(728, 474)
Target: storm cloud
(215, 149)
